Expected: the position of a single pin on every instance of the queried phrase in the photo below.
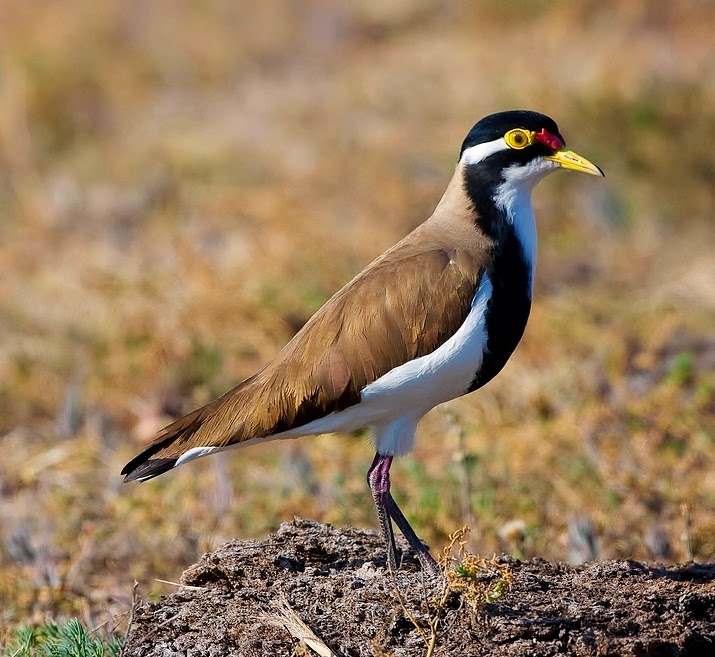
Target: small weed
(480, 580)
(51, 639)
(477, 580)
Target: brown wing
(404, 305)
(400, 310)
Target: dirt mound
(330, 586)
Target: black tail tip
(146, 470)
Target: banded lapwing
(434, 317)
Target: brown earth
(243, 598)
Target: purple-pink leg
(378, 478)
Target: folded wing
(403, 306)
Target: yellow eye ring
(519, 138)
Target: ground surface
(334, 580)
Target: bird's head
(520, 147)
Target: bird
(433, 318)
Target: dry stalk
(286, 617)
(687, 535)
(401, 600)
(135, 605)
(179, 584)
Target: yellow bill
(570, 160)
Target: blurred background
(182, 184)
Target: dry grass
(181, 185)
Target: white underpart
(514, 197)
(478, 153)
(195, 453)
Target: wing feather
(403, 306)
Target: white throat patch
(514, 197)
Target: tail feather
(163, 454)
(141, 471)
(260, 407)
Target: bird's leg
(378, 478)
(416, 543)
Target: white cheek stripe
(480, 152)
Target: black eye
(519, 138)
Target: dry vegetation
(183, 183)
